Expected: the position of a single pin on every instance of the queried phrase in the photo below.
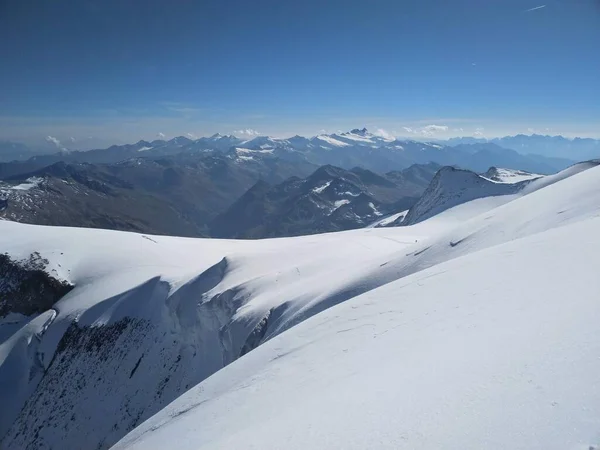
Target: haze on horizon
(97, 73)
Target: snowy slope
(501, 175)
(486, 340)
(495, 350)
(453, 187)
(150, 317)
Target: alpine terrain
(422, 335)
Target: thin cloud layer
(535, 8)
(247, 132)
(432, 130)
(384, 134)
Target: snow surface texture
(151, 317)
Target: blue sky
(121, 70)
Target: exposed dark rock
(26, 287)
(257, 335)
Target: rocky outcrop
(27, 287)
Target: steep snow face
(150, 317)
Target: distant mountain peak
(451, 187)
(360, 132)
(218, 136)
(180, 140)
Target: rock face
(27, 288)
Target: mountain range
(223, 186)
(356, 148)
(330, 199)
(177, 195)
(577, 149)
(483, 304)
(210, 194)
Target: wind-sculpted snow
(150, 317)
(496, 350)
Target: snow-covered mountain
(330, 199)
(355, 148)
(509, 175)
(218, 142)
(143, 319)
(176, 195)
(453, 187)
(487, 338)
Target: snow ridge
(451, 187)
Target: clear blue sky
(121, 70)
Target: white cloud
(160, 135)
(408, 129)
(191, 136)
(432, 130)
(56, 142)
(72, 139)
(384, 134)
(247, 132)
(53, 140)
(458, 130)
(479, 132)
(535, 8)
